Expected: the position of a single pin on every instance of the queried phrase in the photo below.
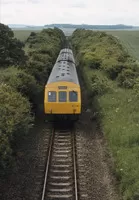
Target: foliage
(127, 78)
(99, 84)
(21, 81)
(91, 60)
(43, 48)
(13, 122)
(10, 48)
(117, 104)
(104, 52)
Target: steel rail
(75, 167)
(47, 165)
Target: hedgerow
(42, 51)
(20, 81)
(111, 77)
(104, 52)
(11, 52)
(22, 78)
(15, 120)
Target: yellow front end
(62, 98)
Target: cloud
(34, 1)
(73, 11)
(12, 2)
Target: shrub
(36, 56)
(99, 84)
(39, 70)
(114, 69)
(91, 60)
(21, 81)
(42, 52)
(32, 34)
(127, 78)
(15, 120)
(10, 48)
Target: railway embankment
(111, 77)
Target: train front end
(62, 100)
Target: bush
(15, 121)
(136, 87)
(127, 78)
(10, 48)
(39, 70)
(21, 81)
(99, 85)
(91, 60)
(42, 52)
(36, 56)
(114, 69)
(98, 50)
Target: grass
(118, 112)
(23, 34)
(120, 125)
(129, 39)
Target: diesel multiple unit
(62, 92)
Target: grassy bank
(117, 101)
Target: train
(62, 95)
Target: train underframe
(62, 117)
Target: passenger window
(51, 96)
(62, 96)
(73, 96)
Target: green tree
(15, 121)
(10, 48)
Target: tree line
(24, 70)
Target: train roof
(64, 68)
(63, 71)
(65, 55)
(66, 50)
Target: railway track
(60, 180)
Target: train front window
(73, 96)
(62, 96)
(51, 96)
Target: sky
(41, 12)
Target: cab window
(73, 96)
(51, 96)
(62, 96)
